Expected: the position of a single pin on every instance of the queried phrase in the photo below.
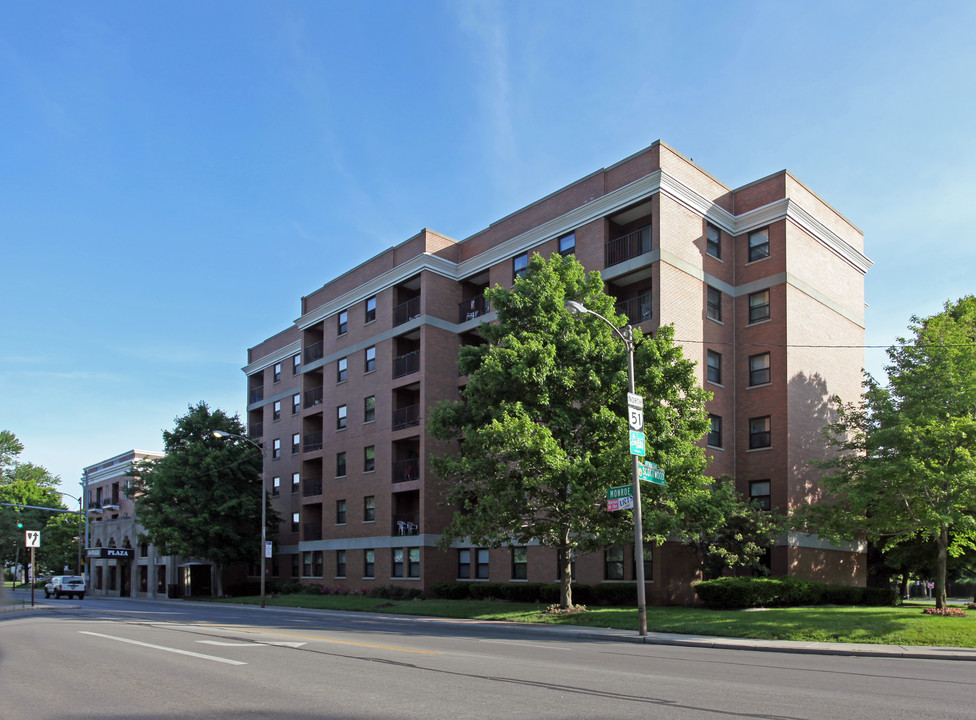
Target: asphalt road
(110, 658)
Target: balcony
(636, 309)
(313, 397)
(256, 430)
(406, 311)
(313, 352)
(406, 417)
(312, 531)
(475, 307)
(406, 470)
(406, 364)
(627, 247)
(257, 394)
(311, 487)
(312, 441)
(405, 525)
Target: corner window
(370, 309)
(567, 244)
(369, 409)
(759, 306)
(759, 244)
(342, 367)
(370, 364)
(714, 370)
(520, 563)
(369, 458)
(759, 433)
(713, 303)
(520, 265)
(341, 417)
(714, 431)
(713, 241)
(342, 323)
(613, 563)
(759, 494)
(759, 372)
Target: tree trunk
(903, 586)
(940, 569)
(218, 580)
(566, 580)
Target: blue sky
(175, 176)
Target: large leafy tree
(542, 422)
(907, 463)
(202, 499)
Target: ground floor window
(143, 578)
(369, 563)
(520, 563)
(613, 563)
(397, 570)
(413, 562)
(312, 563)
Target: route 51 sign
(636, 418)
(33, 538)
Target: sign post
(32, 539)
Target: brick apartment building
(764, 285)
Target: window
(369, 508)
(759, 494)
(714, 431)
(713, 240)
(464, 564)
(341, 367)
(520, 563)
(613, 563)
(520, 265)
(567, 244)
(296, 482)
(296, 443)
(312, 563)
(759, 369)
(341, 417)
(413, 562)
(340, 512)
(759, 435)
(294, 566)
(340, 464)
(714, 373)
(369, 563)
(277, 372)
(276, 449)
(343, 323)
(759, 306)
(713, 307)
(340, 563)
(369, 458)
(370, 309)
(370, 364)
(276, 486)
(396, 569)
(369, 409)
(276, 411)
(296, 364)
(296, 403)
(295, 521)
(481, 564)
(759, 245)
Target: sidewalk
(19, 601)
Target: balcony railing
(312, 531)
(406, 417)
(257, 394)
(406, 470)
(313, 397)
(627, 247)
(406, 364)
(475, 307)
(405, 525)
(406, 311)
(255, 430)
(311, 487)
(313, 352)
(312, 441)
(636, 309)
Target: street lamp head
(220, 434)
(575, 307)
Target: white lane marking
(258, 643)
(166, 649)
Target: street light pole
(81, 511)
(628, 338)
(264, 500)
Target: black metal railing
(406, 311)
(405, 417)
(313, 397)
(629, 246)
(255, 430)
(636, 309)
(312, 531)
(313, 352)
(406, 470)
(257, 394)
(406, 364)
(311, 487)
(475, 307)
(312, 441)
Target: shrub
(615, 594)
(396, 592)
(743, 592)
(450, 591)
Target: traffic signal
(20, 525)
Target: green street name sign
(648, 472)
(615, 493)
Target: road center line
(166, 649)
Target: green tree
(907, 463)
(542, 422)
(202, 499)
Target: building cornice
(278, 355)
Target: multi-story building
(764, 285)
(120, 563)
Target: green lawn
(902, 625)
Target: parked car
(70, 585)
